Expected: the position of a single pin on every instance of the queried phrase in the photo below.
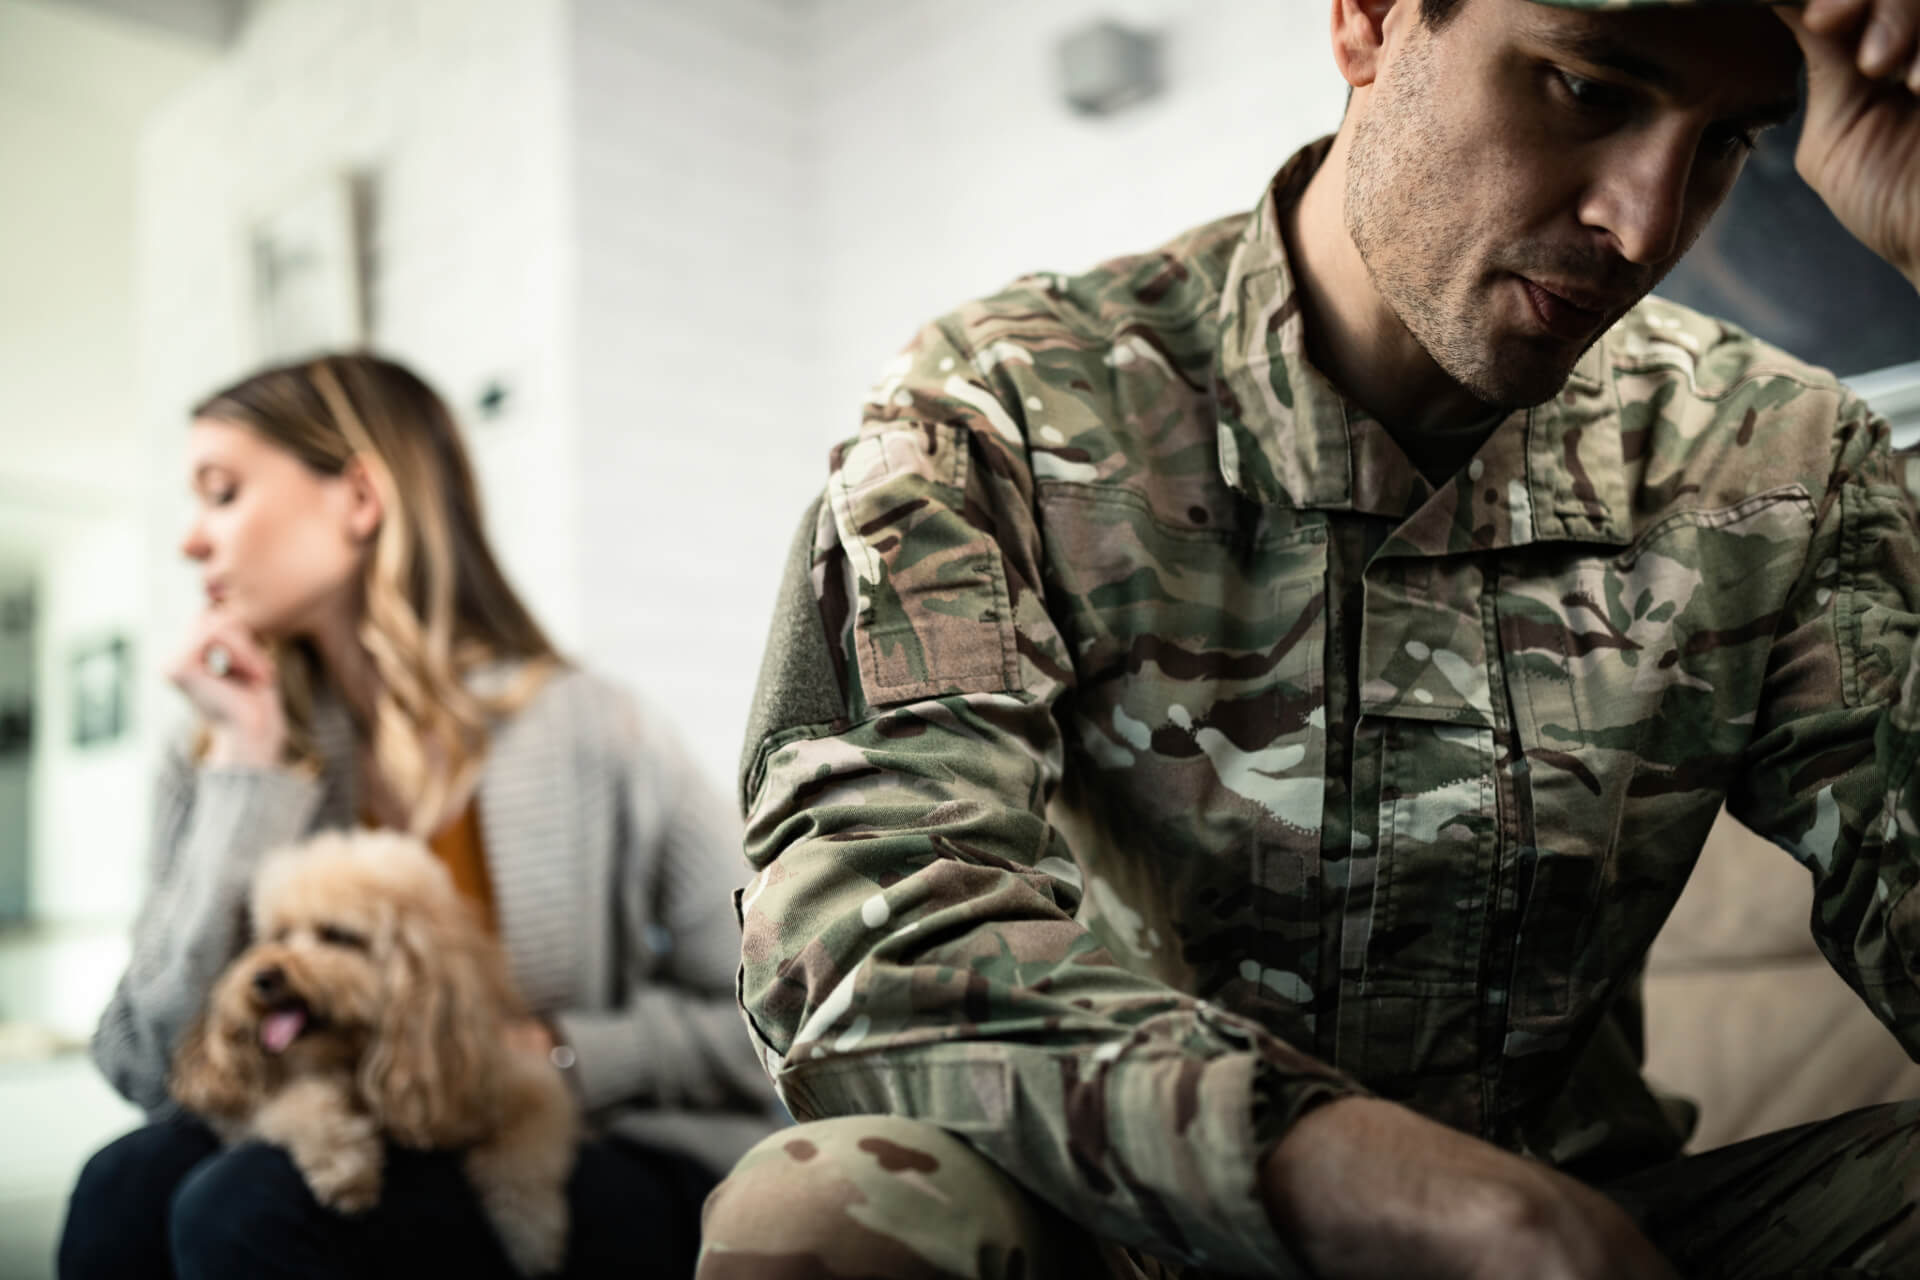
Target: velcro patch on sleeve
(933, 616)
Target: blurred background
(652, 250)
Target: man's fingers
(1831, 16)
(1886, 48)
(1828, 53)
(1821, 46)
(1878, 39)
(1861, 142)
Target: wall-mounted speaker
(1105, 67)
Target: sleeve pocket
(1874, 614)
(933, 616)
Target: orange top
(460, 847)
(458, 844)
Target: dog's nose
(270, 982)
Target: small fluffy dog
(373, 1005)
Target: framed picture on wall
(100, 678)
(1777, 263)
(309, 271)
(16, 671)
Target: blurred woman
(362, 659)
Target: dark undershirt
(1439, 455)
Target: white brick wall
(594, 200)
(457, 105)
(693, 344)
(947, 162)
(686, 233)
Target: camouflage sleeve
(910, 943)
(1830, 772)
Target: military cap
(1650, 4)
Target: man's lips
(1564, 312)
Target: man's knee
(869, 1196)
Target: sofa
(1744, 1015)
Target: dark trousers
(167, 1200)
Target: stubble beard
(1401, 216)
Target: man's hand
(1368, 1190)
(1860, 149)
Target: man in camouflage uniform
(1239, 716)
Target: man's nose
(1640, 200)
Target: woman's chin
(268, 626)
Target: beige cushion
(1745, 1016)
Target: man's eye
(334, 935)
(1589, 95)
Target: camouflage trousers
(872, 1197)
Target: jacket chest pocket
(1420, 881)
(1634, 682)
(1197, 723)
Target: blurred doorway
(18, 666)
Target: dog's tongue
(280, 1028)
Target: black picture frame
(100, 676)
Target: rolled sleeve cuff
(1167, 1159)
(609, 1064)
(1244, 1105)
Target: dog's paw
(345, 1180)
(530, 1219)
(343, 1166)
(536, 1249)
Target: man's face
(1523, 175)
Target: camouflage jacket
(1146, 752)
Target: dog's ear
(429, 1075)
(211, 1075)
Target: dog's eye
(334, 935)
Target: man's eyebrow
(1597, 48)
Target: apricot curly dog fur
(373, 1007)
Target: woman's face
(279, 544)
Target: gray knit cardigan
(613, 866)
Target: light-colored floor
(55, 1108)
(58, 1112)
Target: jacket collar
(1288, 437)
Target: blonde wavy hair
(436, 606)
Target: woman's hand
(230, 679)
(1860, 148)
(530, 1036)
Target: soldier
(1238, 717)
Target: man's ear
(1360, 34)
(364, 506)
